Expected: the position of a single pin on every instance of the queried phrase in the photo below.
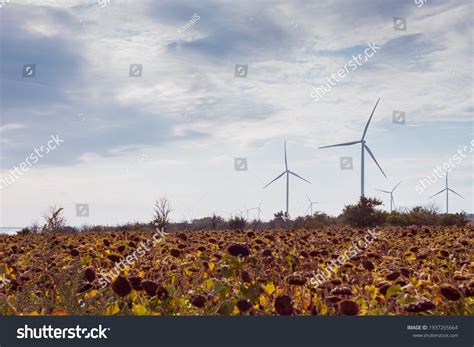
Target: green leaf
(85, 260)
(392, 290)
(226, 308)
(34, 297)
(251, 293)
(222, 289)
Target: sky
(173, 125)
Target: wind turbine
(447, 189)
(258, 208)
(363, 148)
(311, 203)
(392, 201)
(240, 212)
(248, 210)
(288, 173)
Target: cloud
(188, 98)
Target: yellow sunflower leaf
(90, 294)
(269, 288)
(112, 309)
(139, 310)
(263, 300)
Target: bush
(364, 213)
(24, 231)
(316, 221)
(423, 216)
(397, 218)
(458, 219)
(281, 220)
(237, 223)
(209, 223)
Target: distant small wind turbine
(392, 201)
(287, 172)
(240, 212)
(248, 210)
(311, 203)
(364, 148)
(258, 208)
(447, 189)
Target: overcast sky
(176, 130)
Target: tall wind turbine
(363, 148)
(258, 208)
(288, 173)
(311, 203)
(392, 201)
(447, 189)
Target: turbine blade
(373, 157)
(396, 186)
(341, 144)
(432, 196)
(274, 180)
(385, 191)
(308, 198)
(452, 191)
(368, 122)
(286, 161)
(291, 172)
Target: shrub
(364, 213)
(237, 223)
(458, 219)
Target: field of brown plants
(404, 271)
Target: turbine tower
(248, 210)
(259, 209)
(363, 148)
(311, 203)
(288, 173)
(447, 189)
(392, 201)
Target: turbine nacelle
(364, 148)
